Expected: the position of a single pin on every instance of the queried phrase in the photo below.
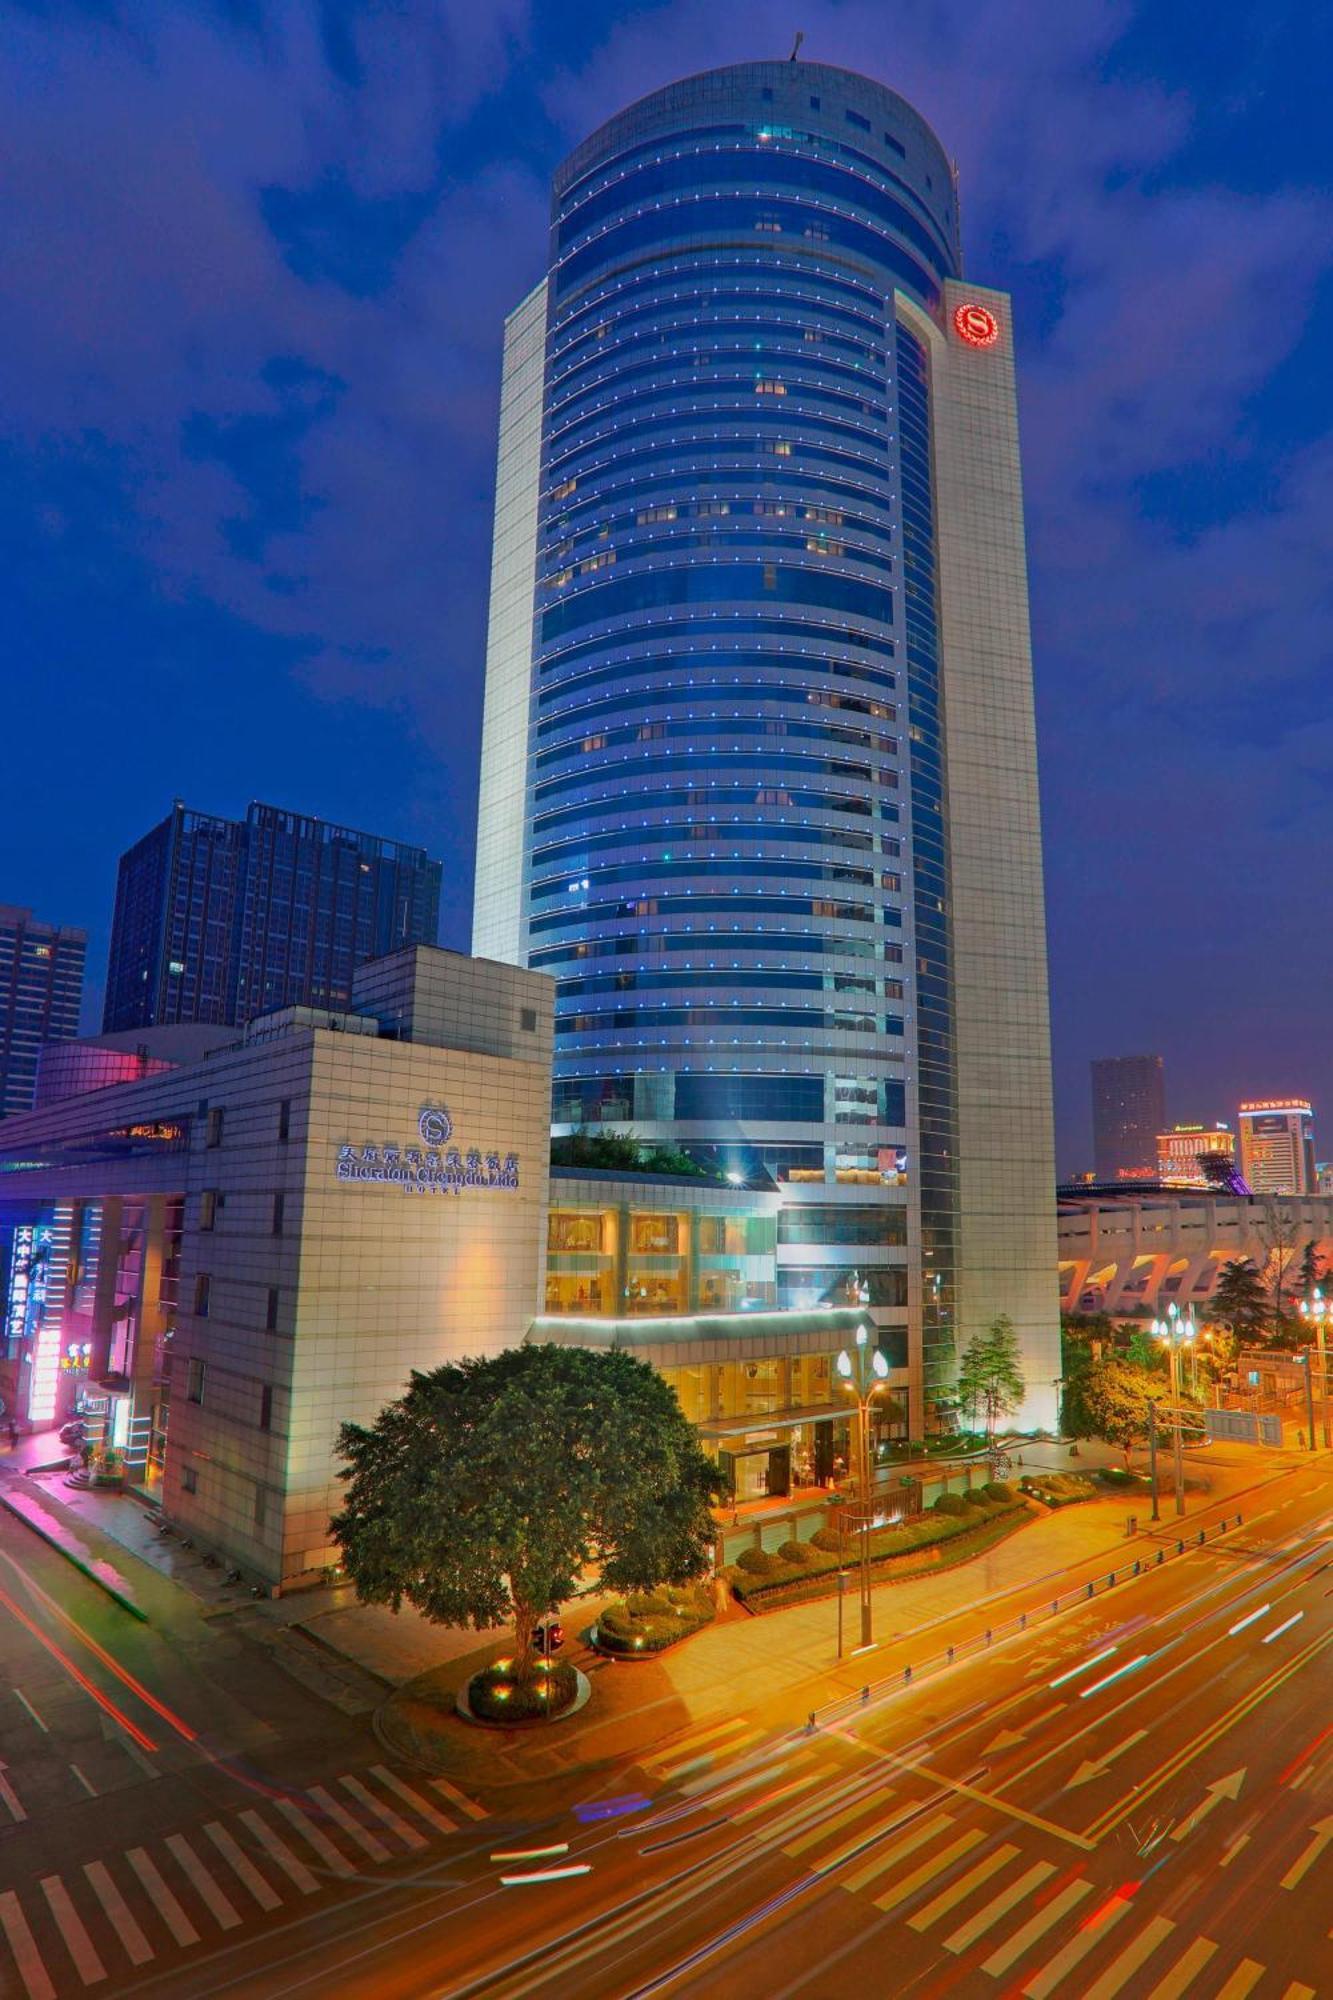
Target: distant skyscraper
(1277, 1145)
(1128, 1112)
(758, 770)
(41, 990)
(1182, 1150)
(218, 920)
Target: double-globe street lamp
(1177, 1330)
(864, 1371)
(1314, 1311)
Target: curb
(348, 1659)
(84, 1565)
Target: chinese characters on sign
(428, 1169)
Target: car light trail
(547, 1874)
(1085, 1667)
(612, 1808)
(530, 1853)
(77, 1674)
(1280, 1629)
(1243, 1622)
(1118, 1675)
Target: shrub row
(757, 1571)
(647, 1623)
(1061, 1489)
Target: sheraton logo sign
(434, 1166)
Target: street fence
(1026, 1621)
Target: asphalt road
(1135, 1798)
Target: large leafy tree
(1240, 1299)
(1111, 1403)
(990, 1376)
(491, 1487)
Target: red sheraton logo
(977, 325)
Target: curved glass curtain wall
(720, 792)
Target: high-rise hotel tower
(758, 775)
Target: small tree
(990, 1376)
(488, 1490)
(1310, 1270)
(1277, 1232)
(1240, 1299)
(1112, 1404)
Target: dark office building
(1128, 1112)
(218, 920)
(41, 989)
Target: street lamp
(1176, 1331)
(1316, 1310)
(864, 1371)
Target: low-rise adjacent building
(1142, 1252)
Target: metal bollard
(865, 1694)
(1201, 1538)
(1022, 1621)
(1136, 1565)
(810, 1723)
(1180, 1548)
(1111, 1578)
(907, 1673)
(951, 1654)
(1161, 1557)
(988, 1635)
(1091, 1588)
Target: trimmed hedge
(949, 1503)
(658, 1619)
(1061, 1489)
(754, 1582)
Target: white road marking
(170, 1911)
(296, 1871)
(137, 1948)
(1084, 1666)
(1277, 1632)
(394, 1821)
(1119, 1674)
(1246, 1976)
(90, 1789)
(958, 1891)
(338, 1813)
(1181, 1975)
(460, 1799)
(333, 1857)
(1036, 1926)
(1243, 1622)
(929, 1870)
(242, 1867)
(24, 1947)
(76, 1939)
(1085, 1938)
(209, 1893)
(1131, 1958)
(32, 1711)
(999, 1906)
(438, 1820)
(898, 1850)
(11, 1797)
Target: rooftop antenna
(796, 45)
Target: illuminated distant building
(1277, 1145)
(1181, 1152)
(41, 989)
(1324, 1177)
(1128, 1112)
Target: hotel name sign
(433, 1167)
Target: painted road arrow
(1221, 1788)
(1093, 1767)
(1007, 1739)
(1322, 1834)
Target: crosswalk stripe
(460, 1799)
(712, 1732)
(874, 1802)
(949, 1898)
(296, 1871)
(209, 1893)
(394, 1821)
(1174, 1982)
(137, 1948)
(1298, 1991)
(1085, 1939)
(24, 1947)
(1131, 1958)
(1037, 1925)
(999, 1906)
(1247, 1974)
(170, 1911)
(438, 1820)
(338, 1813)
(906, 1843)
(909, 1884)
(68, 1922)
(332, 1857)
(242, 1867)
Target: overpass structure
(1120, 1253)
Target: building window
(189, 1480)
(570, 1232)
(284, 1121)
(208, 1208)
(266, 1407)
(279, 1203)
(203, 1285)
(527, 1020)
(271, 1310)
(215, 1126)
(194, 1382)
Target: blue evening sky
(254, 260)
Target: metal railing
(1026, 1621)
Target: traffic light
(550, 1637)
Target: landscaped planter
(476, 1699)
(961, 1543)
(642, 1627)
